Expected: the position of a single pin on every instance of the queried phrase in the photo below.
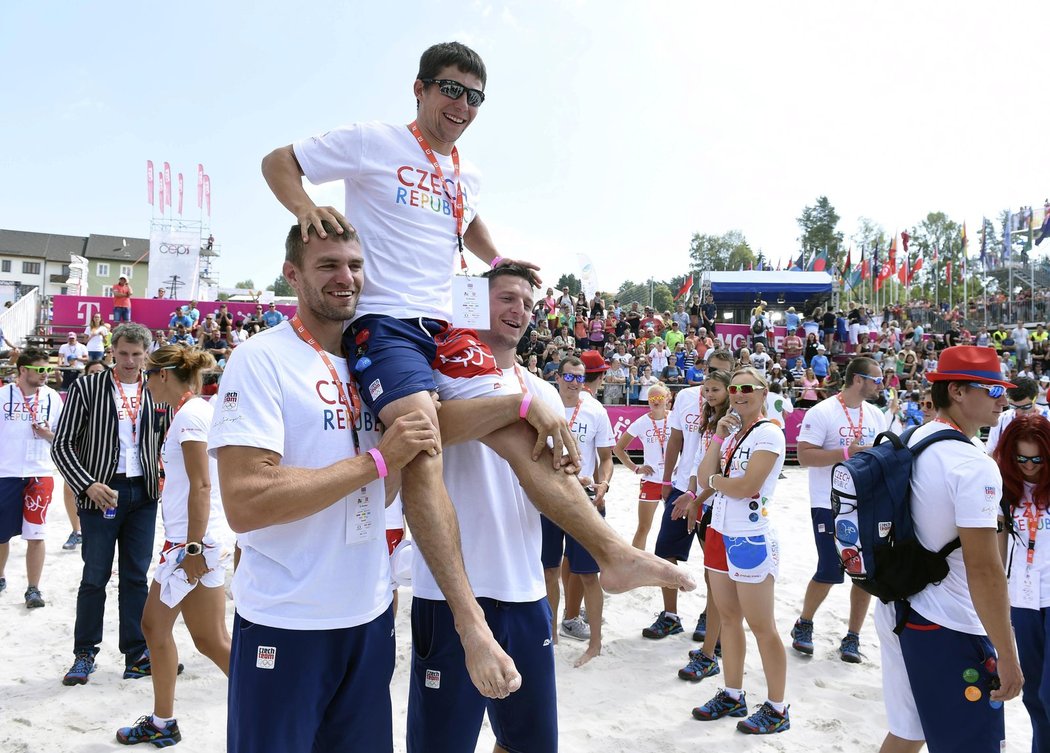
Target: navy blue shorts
(951, 676)
(829, 564)
(445, 710)
(557, 543)
(394, 356)
(311, 690)
(674, 540)
(12, 504)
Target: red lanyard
(945, 421)
(575, 413)
(1031, 513)
(524, 387)
(858, 430)
(31, 407)
(353, 404)
(457, 207)
(661, 434)
(133, 409)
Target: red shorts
(715, 551)
(650, 491)
(393, 538)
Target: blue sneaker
(143, 668)
(849, 649)
(3, 584)
(701, 628)
(144, 731)
(802, 636)
(664, 626)
(83, 665)
(721, 705)
(765, 721)
(699, 667)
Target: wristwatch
(194, 548)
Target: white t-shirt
(658, 359)
(746, 517)
(778, 406)
(653, 436)
(685, 416)
(328, 570)
(401, 210)
(1005, 418)
(191, 424)
(70, 355)
(826, 426)
(24, 454)
(129, 423)
(1029, 587)
(96, 342)
(953, 484)
(592, 430)
(499, 527)
(761, 361)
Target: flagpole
(951, 272)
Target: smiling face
(442, 119)
(1031, 471)
(747, 406)
(330, 279)
(510, 304)
(715, 393)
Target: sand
(628, 700)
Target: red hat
(968, 363)
(593, 363)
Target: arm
(195, 455)
(479, 241)
(758, 468)
(987, 582)
(257, 491)
(811, 456)
(620, 451)
(284, 176)
(603, 475)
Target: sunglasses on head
(570, 378)
(745, 389)
(994, 391)
(455, 90)
(1033, 459)
(41, 369)
(151, 372)
(877, 380)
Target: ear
(291, 274)
(417, 90)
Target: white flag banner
(588, 276)
(174, 262)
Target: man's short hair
(509, 270)
(29, 356)
(294, 246)
(568, 361)
(1024, 389)
(860, 365)
(444, 54)
(134, 333)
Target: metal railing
(20, 320)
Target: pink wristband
(495, 262)
(380, 462)
(845, 452)
(693, 496)
(526, 401)
(665, 483)
(717, 439)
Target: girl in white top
(741, 466)
(1023, 456)
(652, 430)
(190, 558)
(98, 335)
(647, 382)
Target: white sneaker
(576, 629)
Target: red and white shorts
(650, 491)
(23, 506)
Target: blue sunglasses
(995, 391)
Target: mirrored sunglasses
(570, 378)
(745, 389)
(877, 380)
(994, 391)
(455, 90)
(1033, 459)
(1027, 406)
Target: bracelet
(711, 482)
(526, 401)
(717, 439)
(380, 462)
(665, 483)
(845, 452)
(495, 262)
(691, 495)
(637, 469)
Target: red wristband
(495, 262)
(526, 401)
(380, 462)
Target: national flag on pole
(893, 254)
(820, 262)
(180, 194)
(865, 267)
(904, 240)
(914, 269)
(800, 261)
(686, 288)
(902, 271)
(846, 264)
(885, 271)
(149, 181)
(1044, 231)
(964, 241)
(948, 272)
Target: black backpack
(874, 531)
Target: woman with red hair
(1023, 456)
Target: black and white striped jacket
(86, 446)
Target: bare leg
(34, 561)
(204, 612)
(560, 497)
(734, 643)
(714, 619)
(5, 552)
(756, 603)
(646, 510)
(816, 592)
(592, 594)
(157, 623)
(574, 590)
(430, 515)
(550, 577)
(671, 594)
(894, 744)
(859, 601)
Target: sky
(611, 129)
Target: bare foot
(630, 568)
(491, 670)
(586, 656)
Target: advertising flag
(149, 181)
(167, 182)
(180, 194)
(207, 193)
(200, 185)
(160, 193)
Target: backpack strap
(755, 425)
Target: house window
(5, 265)
(30, 267)
(107, 291)
(65, 270)
(102, 270)
(125, 271)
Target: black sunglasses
(1034, 459)
(454, 90)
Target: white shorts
(172, 579)
(901, 715)
(745, 559)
